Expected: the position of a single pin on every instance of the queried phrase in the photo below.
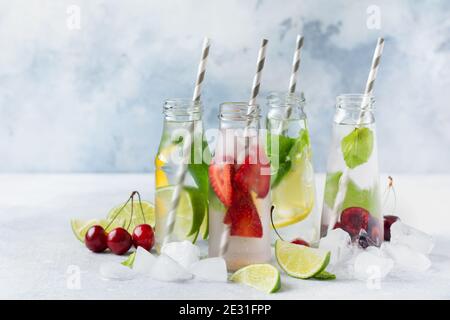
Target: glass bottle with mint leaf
(352, 196)
(192, 211)
(292, 183)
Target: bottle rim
(280, 99)
(239, 111)
(355, 101)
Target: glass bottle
(295, 215)
(240, 177)
(182, 117)
(352, 195)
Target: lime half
(263, 277)
(190, 212)
(138, 217)
(80, 227)
(300, 261)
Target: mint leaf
(357, 147)
(199, 171)
(199, 208)
(331, 188)
(300, 145)
(130, 260)
(324, 275)
(282, 170)
(364, 198)
(280, 164)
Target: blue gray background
(90, 99)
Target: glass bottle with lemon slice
(294, 215)
(192, 212)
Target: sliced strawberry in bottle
(245, 221)
(254, 176)
(220, 176)
(355, 219)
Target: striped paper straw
(343, 181)
(225, 237)
(293, 79)
(182, 170)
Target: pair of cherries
(119, 240)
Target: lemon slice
(189, 216)
(80, 227)
(300, 261)
(263, 277)
(138, 218)
(161, 159)
(293, 197)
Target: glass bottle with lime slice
(352, 197)
(292, 184)
(192, 212)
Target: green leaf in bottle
(331, 187)
(364, 198)
(357, 147)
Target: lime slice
(125, 214)
(190, 212)
(263, 277)
(293, 197)
(300, 261)
(324, 275)
(80, 227)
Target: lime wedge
(125, 214)
(324, 275)
(300, 261)
(80, 227)
(190, 212)
(263, 277)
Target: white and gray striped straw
(295, 64)
(225, 237)
(342, 186)
(292, 80)
(182, 170)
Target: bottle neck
(182, 110)
(286, 106)
(354, 109)
(239, 115)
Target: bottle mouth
(277, 99)
(239, 111)
(182, 107)
(355, 101)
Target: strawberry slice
(220, 176)
(244, 218)
(253, 177)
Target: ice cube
(210, 269)
(167, 269)
(406, 258)
(372, 265)
(143, 261)
(183, 252)
(339, 243)
(411, 237)
(116, 271)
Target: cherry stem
(273, 224)
(121, 209)
(132, 209)
(140, 205)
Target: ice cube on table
(338, 242)
(406, 258)
(116, 271)
(183, 252)
(210, 269)
(415, 239)
(143, 261)
(167, 269)
(372, 265)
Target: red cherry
(95, 239)
(388, 221)
(143, 236)
(300, 241)
(355, 219)
(119, 241)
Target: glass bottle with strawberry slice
(295, 214)
(352, 197)
(239, 174)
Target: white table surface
(37, 247)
